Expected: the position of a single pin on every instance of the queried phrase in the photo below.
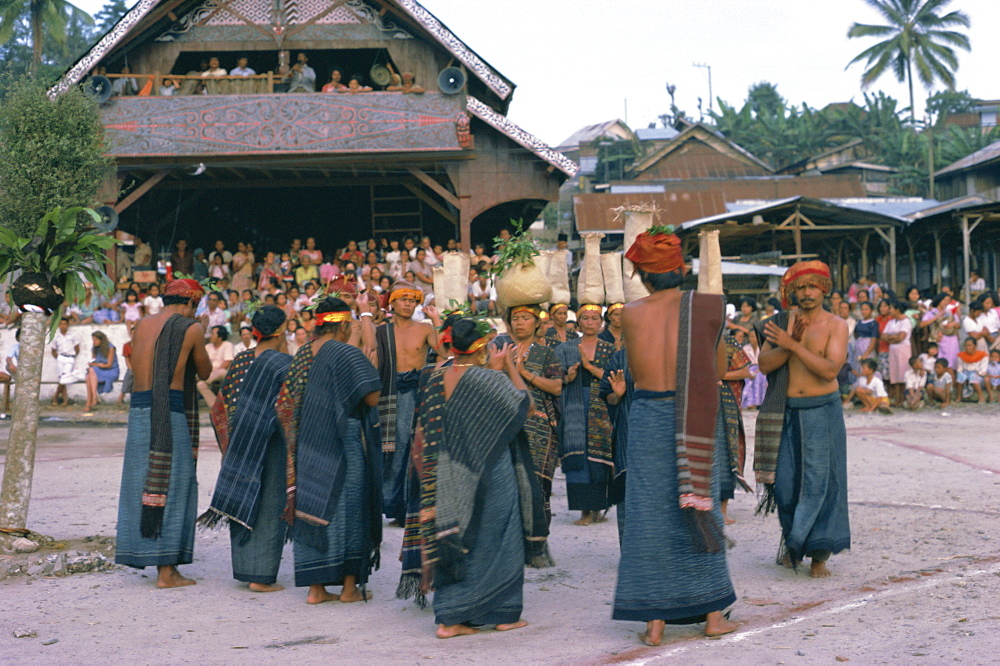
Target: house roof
(699, 131)
(506, 126)
(588, 133)
(818, 210)
(982, 156)
(950, 206)
(141, 16)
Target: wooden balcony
(283, 124)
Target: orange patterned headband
(412, 294)
(530, 309)
(333, 317)
(615, 306)
(475, 346)
(589, 307)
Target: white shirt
(990, 320)
(242, 71)
(153, 304)
(915, 381)
(64, 345)
(970, 325)
(895, 326)
(240, 347)
(221, 354)
(211, 73)
(483, 293)
(875, 384)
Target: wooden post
(797, 232)
(864, 255)
(937, 259)
(892, 258)
(841, 277)
(270, 82)
(965, 261)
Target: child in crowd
(153, 303)
(972, 365)
(131, 308)
(218, 270)
(870, 390)
(939, 388)
(286, 270)
(915, 380)
(929, 358)
(993, 376)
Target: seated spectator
(247, 340)
(301, 77)
(993, 376)
(329, 269)
(300, 337)
(432, 258)
(305, 299)
(354, 85)
(307, 271)
(281, 300)
(916, 381)
(124, 86)
(153, 302)
(335, 84)
(482, 295)
(975, 327)
(193, 83)
(287, 274)
(939, 388)
(870, 390)
(168, 87)
(352, 253)
(371, 262)
(215, 313)
(220, 352)
(243, 69)
(102, 371)
(977, 285)
(200, 265)
(218, 269)
(929, 358)
(423, 273)
(82, 312)
(106, 314)
(8, 373)
(214, 82)
(181, 259)
(971, 372)
(310, 251)
(132, 310)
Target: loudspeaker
(98, 88)
(109, 219)
(451, 80)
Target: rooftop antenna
(709, 68)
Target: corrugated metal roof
(981, 156)
(635, 189)
(901, 207)
(589, 133)
(656, 133)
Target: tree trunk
(909, 79)
(36, 38)
(20, 461)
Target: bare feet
(355, 595)
(444, 631)
(786, 561)
(728, 520)
(318, 594)
(819, 570)
(716, 624)
(585, 519)
(168, 577)
(653, 635)
(515, 625)
(266, 587)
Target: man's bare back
(814, 347)
(144, 338)
(650, 329)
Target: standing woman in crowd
(897, 333)
(866, 334)
(243, 264)
(944, 327)
(613, 326)
(746, 319)
(102, 371)
(882, 318)
(585, 427)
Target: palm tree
(917, 34)
(45, 16)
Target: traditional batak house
(202, 153)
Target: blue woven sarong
(810, 483)
(175, 544)
(661, 575)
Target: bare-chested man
(159, 493)
(669, 572)
(401, 352)
(801, 442)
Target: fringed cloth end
(696, 502)
(537, 555)
(409, 588)
(150, 521)
(705, 531)
(744, 484)
(766, 503)
(213, 519)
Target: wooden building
(240, 160)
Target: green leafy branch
(518, 249)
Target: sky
(580, 62)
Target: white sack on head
(590, 288)
(611, 268)
(636, 222)
(558, 275)
(709, 263)
(633, 286)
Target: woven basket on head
(523, 284)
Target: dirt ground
(919, 585)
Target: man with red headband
(673, 561)
(801, 442)
(158, 502)
(401, 351)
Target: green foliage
(64, 253)
(765, 101)
(948, 102)
(614, 157)
(46, 18)
(109, 14)
(916, 34)
(53, 153)
(518, 249)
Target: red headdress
(813, 273)
(343, 284)
(187, 288)
(656, 251)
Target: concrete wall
(117, 335)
